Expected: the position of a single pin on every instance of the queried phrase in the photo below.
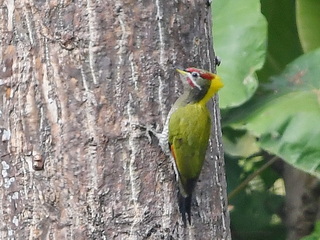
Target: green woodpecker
(189, 131)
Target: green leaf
(239, 31)
(283, 40)
(288, 121)
(252, 216)
(239, 144)
(308, 22)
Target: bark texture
(301, 202)
(75, 79)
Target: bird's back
(189, 132)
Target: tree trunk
(301, 202)
(76, 78)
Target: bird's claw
(161, 136)
(217, 60)
(148, 129)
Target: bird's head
(200, 82)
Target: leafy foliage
(286, 121)
(234, 44)
(283, 40)
(272, 112)
(308, 22)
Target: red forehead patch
(203, 74)
(207, 75)
(193, 70)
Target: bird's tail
(185, 207)
(186, 187)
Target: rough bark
(301, 202)
(75, 79)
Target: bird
(189, 125)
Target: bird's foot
(148, 129)
(161, 136)
(217, 60)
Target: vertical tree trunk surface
(76, 78)
(301, 202)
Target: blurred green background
(270, 53)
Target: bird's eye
(195, 74)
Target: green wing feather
(189, 132)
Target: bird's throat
(196, 95)
(211, 91)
